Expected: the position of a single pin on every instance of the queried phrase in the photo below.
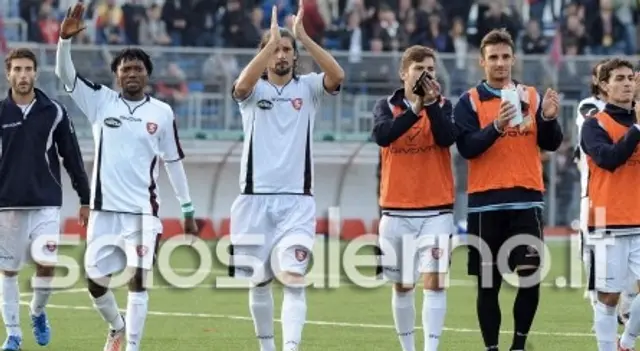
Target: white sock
(606, 326)
(11, 305)
(627, 296)
(41, 294)
(107, 306)
(137, 306)
(434, 309)
(632, 329)
(404, 316)
(261, 306)
(294, 314)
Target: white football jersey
(130, 138)
(277, 155)
(586, 109)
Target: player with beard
(275, 211)
(132, 133)
(35, 132)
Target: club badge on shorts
(51, 246)
(436, 253)
(142, 250)
(301, 254)
(152, 128)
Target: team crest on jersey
(301, 254)
(152, 128)
(51, 246)
(436, 253)
(141, 250)
(297, 103)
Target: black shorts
(495, 229)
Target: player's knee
(9, 273)
(292, 279)
(402, 288)
(433, 281)
(45, 271)
(138, 280)
(608, 299)
(97, 287)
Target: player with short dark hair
(415, 131)
(505, 184)
(35, 132)
(132, 132)
(276, 204)
(610, 141)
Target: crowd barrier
(350, 228)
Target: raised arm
(333, 73)
(243, 87)
(89, 96)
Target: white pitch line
(322, 323)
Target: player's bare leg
(403, 306)
(41, 294)
(105, 303)
(632, 327)
(261, 307)
(434, 309)
(605, 321)
(11, 311)
(294, 310)
(137, 307)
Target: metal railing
(210, 112)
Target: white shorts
(119, 240)
(616, 261)
(29, 234)
(414, 245)
(284, 225)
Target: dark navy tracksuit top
(32, 145)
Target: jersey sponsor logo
(412, 150)
(130, 119)
(265, 104)
(152, 128)
(11, 125)
(112, 122)
(297, 103)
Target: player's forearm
(178, 179)
(254, 70)
(334, 74)
(64, 64)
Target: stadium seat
(322, 226)
(171, 227)
(352, 228)
(207, 231)
(374, 226)
(72, 227)
(225, 227)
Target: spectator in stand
(439, 37)
(110, 23)
(173, 88)
(48, 24)
(239, 30)
(574, 31)
(386, 28)
(174, 14)
(533, 42)
(536, 10)
(153, 31)
(135, 14)
(314, 25)
(608, 34)
(492, 15)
